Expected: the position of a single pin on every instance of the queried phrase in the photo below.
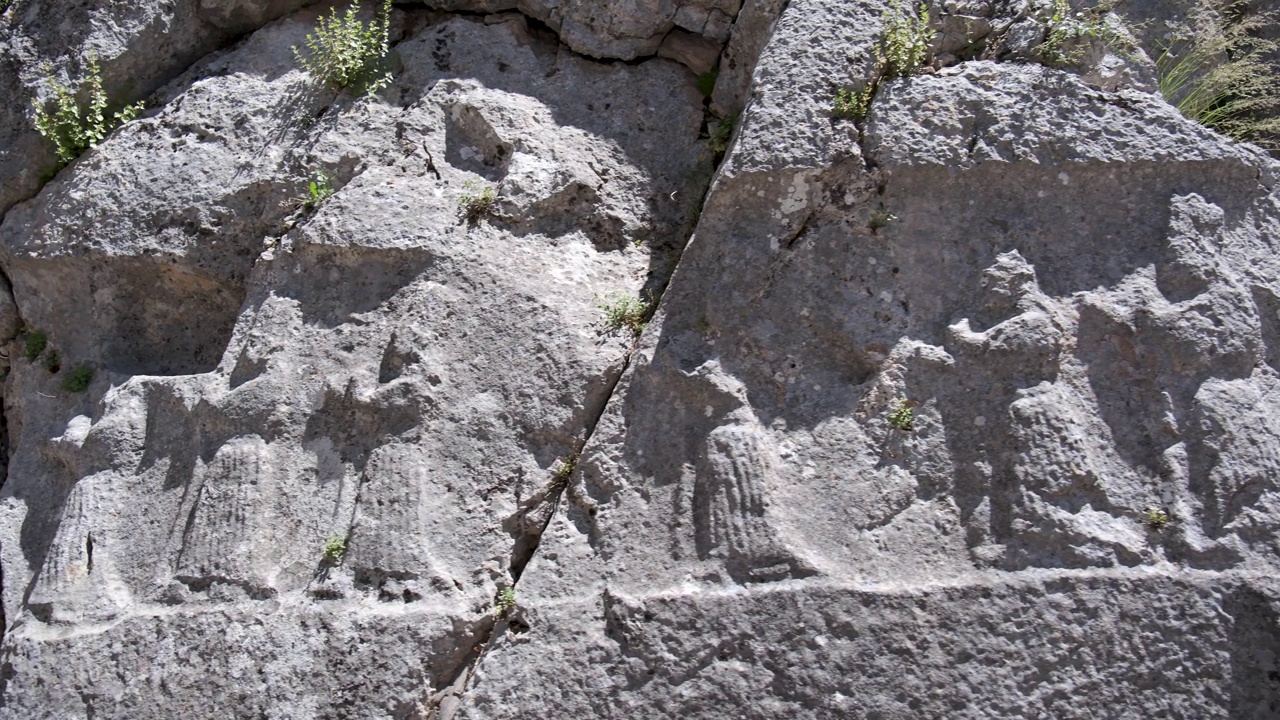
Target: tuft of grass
(1155, 518)
(335, 547)
(477, 200)
(505, 603)
(52, 361)
(623, 312)
(881, 219)
(79, 378)
(72, 127)
(903, 417)
(346, 52)
(1220, 76)
(35, 343)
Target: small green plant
(79, 378)
(347, 52)
(903, 417)
(335, 547)
(853, 104)
(881, 219)
(35, 343)
(1221, 77)
(319, 189)
(477, 200)
(1155, 518)
(505, 603)
(905, 45)
(707, 82)
(52, 361)
(903, 50)
(721, 134)
(1066, 29)
(73, 128)
(564, 470)
(623, 312)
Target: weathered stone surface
(1065, 291)
(892, 445)
(1038, 646)
(268, 376)
(140, 46)
(611, 29)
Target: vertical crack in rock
(536, 513)
(531, 521)
(207, 495)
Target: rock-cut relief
(1033, 490)
(226, 527)
(1177, 361)
(730, 499)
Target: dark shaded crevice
(543, 506)
(4, 625)
(4, 454)
(539, 27)
(444, 703)
(205, 583)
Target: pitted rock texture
(377, 368)
(322, 444)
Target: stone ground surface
(1073, 289)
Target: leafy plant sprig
(319, 189)
(719, 137)
(1155, 518)
(903, 50)
(903, 417)
(1067, 29)
(347, 52)
(505, 603)
(335, 547)
(905, 44)
(34, 343)
(74, 128)
(79, 378)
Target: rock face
(967, 408)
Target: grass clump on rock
(1222, 74)
(623, 312)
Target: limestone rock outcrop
(965, 408)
